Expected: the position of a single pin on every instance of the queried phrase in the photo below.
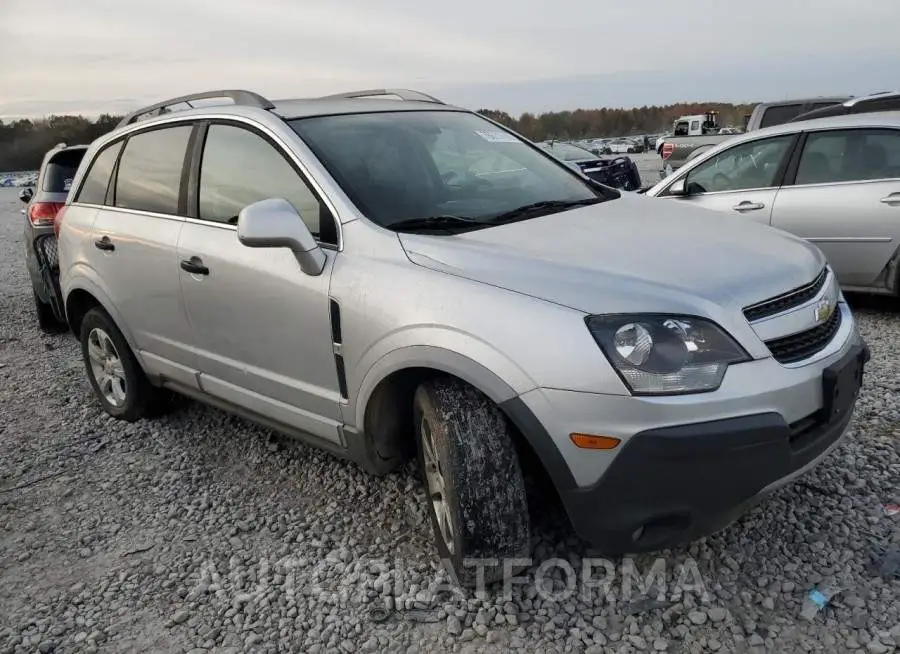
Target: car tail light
(667, 150)
(57, 221)
(43, 214)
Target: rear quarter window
(60, 171)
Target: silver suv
(379, 276)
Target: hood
(631, 254)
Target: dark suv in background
(44, 201)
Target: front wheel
(115, 375)
(476, 492)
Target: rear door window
(149, 177)
(60, 170)
(96, 182)
(850, 155)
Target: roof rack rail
(403, 94)
(871, 97)
(239, 97)
(871, 103)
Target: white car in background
(622, 146)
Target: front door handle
(746, 205)
(195, 266)
(104, 244)
(892, 200)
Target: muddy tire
(115, 375)
(476, 492)
(46, 318)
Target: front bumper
(672, 482)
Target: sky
(109, 56)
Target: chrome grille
(796, 347)
(786, 301)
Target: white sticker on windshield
(496, 136)
(67, 184)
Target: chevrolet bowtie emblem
(824, 308)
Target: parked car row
(385, 279)
(694, 135)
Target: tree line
(23, 142)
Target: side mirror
(678, 188)
(274, 223)
(26, 194)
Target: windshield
(568, 152)
(405, 165)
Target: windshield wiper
(543, 208)
(437, 222)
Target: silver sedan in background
(834, 181)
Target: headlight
(664, 355)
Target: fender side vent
(335, 310)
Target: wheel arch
(84, 295)
(384, 409)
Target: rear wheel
(46, 318)
(115, 375)
(476, 492)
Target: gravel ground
(200, 532)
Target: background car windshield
(416, 164)
(61, 169)
(568, 152)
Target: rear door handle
(104, 244)
(892, 200)
(195, 266)
(746, 205)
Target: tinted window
(418, 164)
(149, 174)
(96, 182)
(748, 165)
(681, 129)
(240, 167)
(780, 114)
(60, 170)
(849, 156)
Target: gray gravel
(200, 532)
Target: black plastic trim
(785, 162)
(110, 200)
(341, 375)
(192, 183)
(790, 175)
(541, 442)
